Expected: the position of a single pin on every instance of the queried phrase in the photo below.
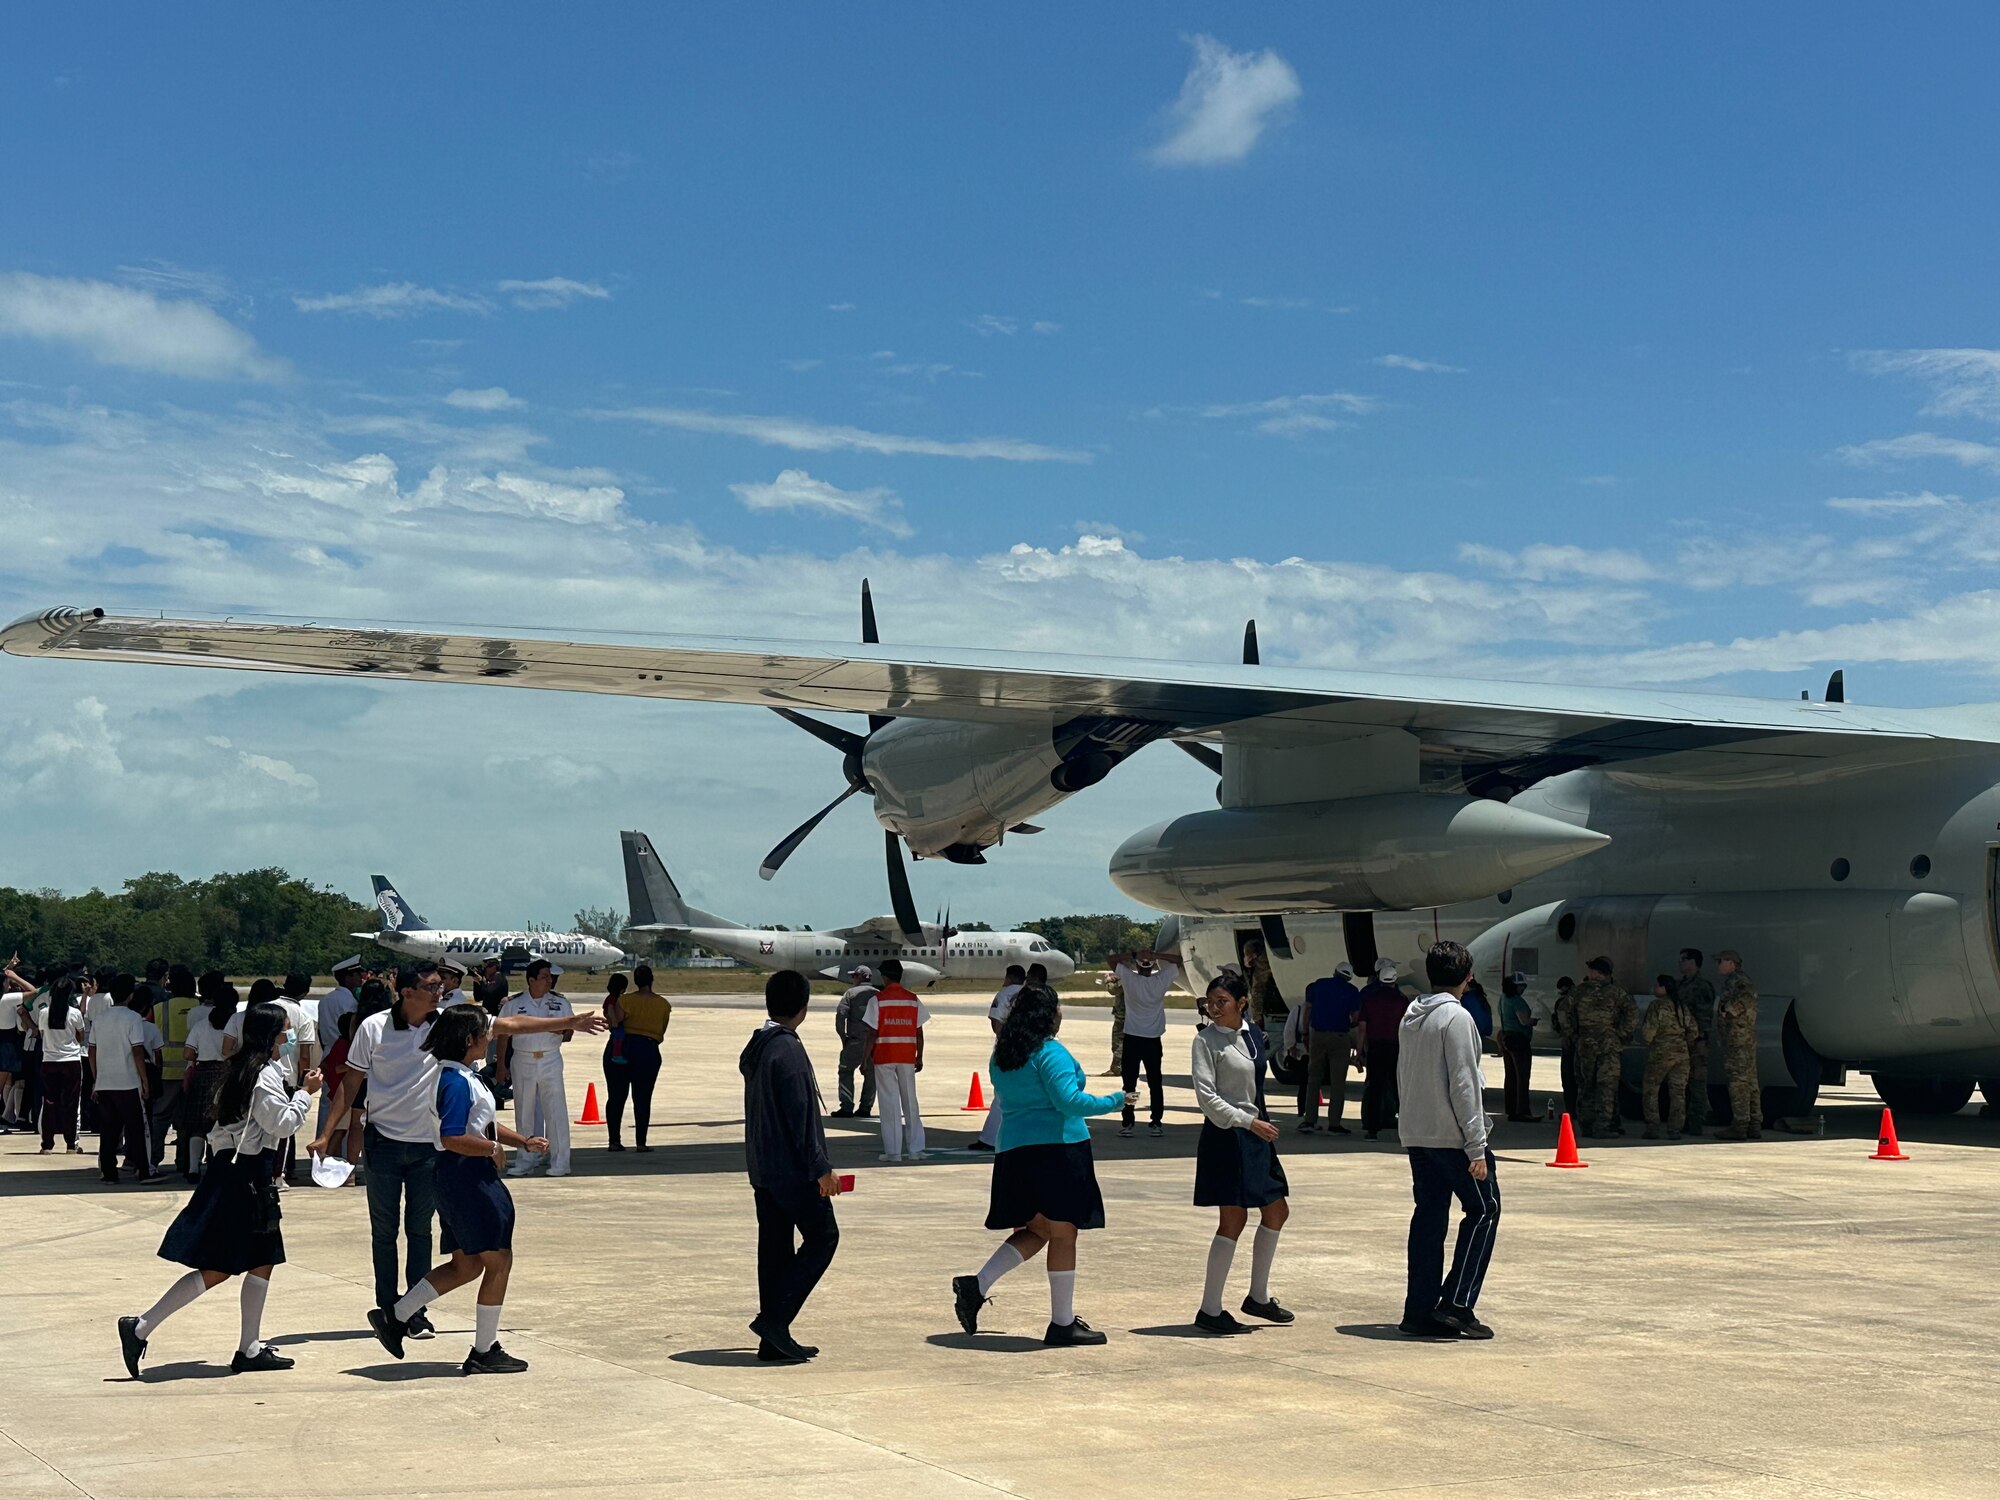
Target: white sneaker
(885, 1156)
(558, 1171)
(918, 1156)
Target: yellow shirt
(645, 1014)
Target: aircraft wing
(1469, 729)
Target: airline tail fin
(650, 891)
(397, 915)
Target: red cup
(847, 1182)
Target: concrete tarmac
(1771, 1319)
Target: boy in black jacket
(790, 1173)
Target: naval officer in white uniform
(540, 1108)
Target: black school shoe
(1074, 1334)
(781, 1340)
(1427, 1328)
(967, 1299)
(388, 1330)
(266, 1358)
(1221, 1322)
(1462, 1320)
(419, 1326)
(131, 1345)
(493, 1361)
(1268, 1310)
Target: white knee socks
(1263, 1250)
(1221, 1253)
(1062, 1298)
(255, 1290)
(998, 1264)
(178, 1296)
(486, 1325)
(415, 1300)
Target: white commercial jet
(403, 931)
(1851, 853)
(938, 951)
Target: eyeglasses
(432, 984)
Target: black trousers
(1437, 1175)
(1379, 1101)
(1143, 1051)
(633, 1078)
(165, 1109)
(1516, 1053)
(121, 1117)
(1569, 1079)
(788, 1268)
(61, 1083)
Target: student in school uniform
(1236, 1159)
(203, 1050)
(13, 1055)
(118, 1070)
(1015, 981)
(475, 1209)
(229, 1226)
(60, 1025)
(894, 1024)
(1044, 1180)
(541, 1109)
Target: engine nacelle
(1390, 853)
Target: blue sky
(1571, 342)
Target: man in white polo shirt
(387, 1053)
(535, 1068)
(1145, 978)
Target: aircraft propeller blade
(900, 900)
(775, 860)
(1251, 656)
(871, 636)
(846, 741)
(1208, 755)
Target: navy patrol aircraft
(1852, 853)
(937, 951)
(403, 931)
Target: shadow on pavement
(1187, 1331)
(420, 1370)
(725, 1358)
(986, 1343)
(330, 1336)
(1387, 1333)
(186, 1369)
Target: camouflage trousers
(1117, 1036)
(1597, 1067)
(1746, 1100)
(1670, 1073)
(1697, 1090)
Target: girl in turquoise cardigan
(1044, 1180)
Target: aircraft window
(1920, 867)
(1566, 928)
(1841, 869)
(1506, 897)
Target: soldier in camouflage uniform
(1669, 1034)
(1563, 1018)
(1117, 989)
(1263, 987)
(1736, 1029)
(1605, 1021)
(1698, 995)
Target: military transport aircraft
(1850, 852)
(403, 931)
(937, 951)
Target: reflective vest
(896, 1026)
(174, 1016)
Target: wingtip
(33, 632)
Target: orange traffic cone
(1887, 1147)
(1566, 1147)
(975, 1101)
(591, 1115)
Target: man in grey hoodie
(1443, 1127)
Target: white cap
(455, 964)
(348, 963)
(859, 971)
(1385, 968)
(1518, 979)
(1344, 969)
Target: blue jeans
(402, 1171)
(1437, 1175)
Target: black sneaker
(1221, 1322)
(131, 1345)
(1125, 1132)
(967, 1299)
(1306, 1127)
(843, 1113)
(389, 1330)
(780, 1339)
(419, 1327)
(614, 1145)
(1268, 1310)
(1426, 1328)
(266, 1358)
(1338, 1130)
(493, 1361)
(1462, 1320)
(979, 1146)
(1074, 1333)
(1156, 1130)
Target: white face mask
(288, 1052)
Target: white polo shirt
(537, 1043)
(1146, 999)
(1003, 1003)
(299, 1019)
(335, 1003)
(402, 1078)
(114, 1034)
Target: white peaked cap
(1344, 968)
(1385, 968)
(860, 971)
(454, 963)
(348, 963)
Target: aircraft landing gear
(1923, 1096)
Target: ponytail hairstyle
(62, 995)
(263, 1025)
(222, 1003)
(454, 1031)
(263, 992)
(1032, 1021)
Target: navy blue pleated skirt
(475, 1210)
(218, 1229)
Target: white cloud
(1964, 382)
(131, 328)
(823, 437)
(1226, 101)
(394, 299)
(489, 398)
(1423, 366)
(1296, 416)
(1543, 560)
(1898, 504)
(551, 291)
(1917, 446)
(795, 489)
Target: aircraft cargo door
(1927, 947)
